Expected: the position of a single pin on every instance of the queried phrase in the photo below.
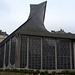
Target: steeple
(38, 10)
(35, 23)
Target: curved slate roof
(35, 22)
(35, 25)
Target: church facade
(32, 46)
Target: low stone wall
(12, 73)
(35, 72)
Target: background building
(3, 35)
(31, 46)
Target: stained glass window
(48, 53)
(63, 54)
(1, 56)
(7, 54)
(12, 51)
(35, 53)
(23, 52)
(72, 55)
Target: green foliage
(49, 74)
(72, 73)
(14, 70)
(65, 72)
(21, 70)
(36, 72)
(6, 70)
(46, 72)
(42, 73)
(30, 71)
(1, 70)
(54, 72)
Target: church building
(32, 46)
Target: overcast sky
(60, 14)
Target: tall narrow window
(23, 52)
(48, 52)
(72, 55)
(34, 53)
(1, 56)
(12, 52)
(63, 54)
(7, 54)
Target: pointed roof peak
(44, 2)
(40, 3)
(35, 22)
(38, 9)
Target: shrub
(36, 72)
(1, 70)
(54, 72)
(30, 71)
(24, 71)
(6, 70)
(14, 70)
(72, 73)
(21, 70)
(42, 73)
(65, 72)
(46, 72)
